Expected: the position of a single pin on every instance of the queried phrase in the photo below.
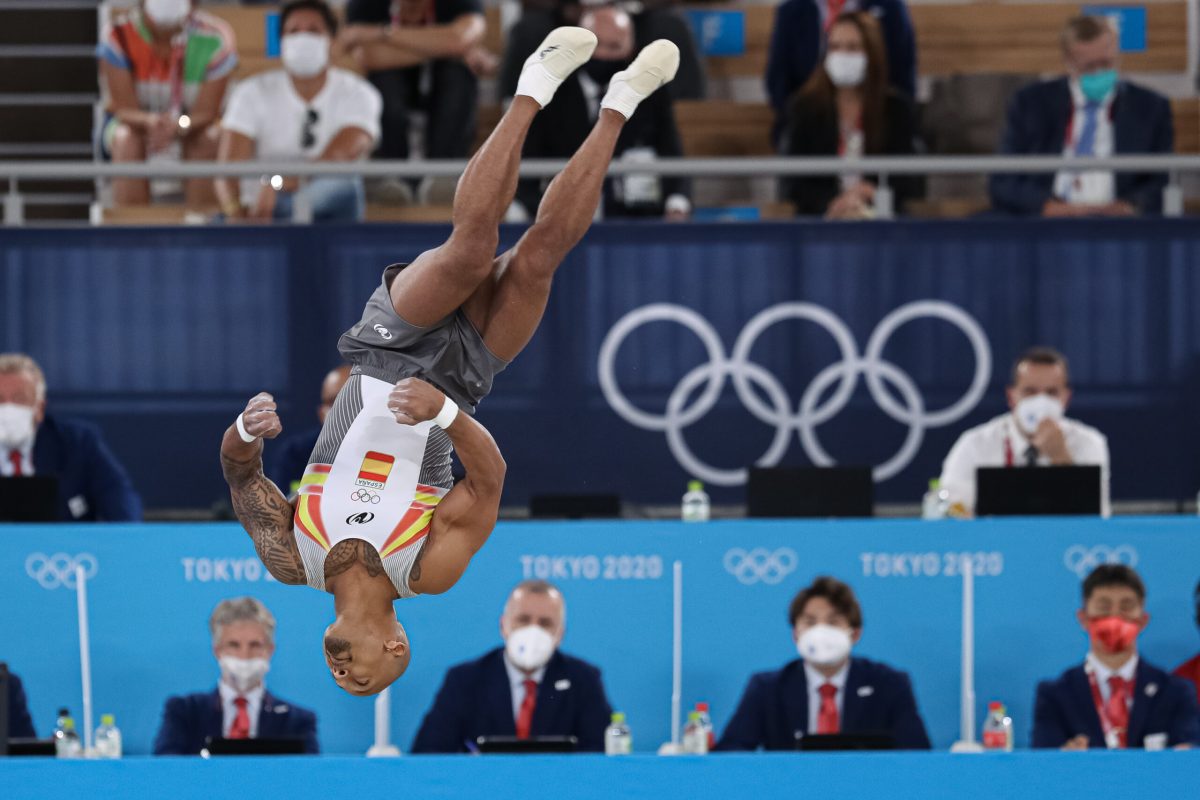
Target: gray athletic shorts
(450, 354)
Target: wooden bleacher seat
(383, 213)
(724, 128)
(1186, 114)
(158, 214)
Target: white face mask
(244, 674)
(824, 645)
(305, 54)
(846, 69)
(1030, 411)
(16, 426)
(168, 13)
(529, 648)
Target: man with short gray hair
(92, 484)
(243, 640)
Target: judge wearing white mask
(527, 688)
(307, 111)
(1035, 432)
(826, 691)
(243, 642)
(847, 109)
(91, 484)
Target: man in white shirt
(308, 111)
(1033, 433)
(243, 635)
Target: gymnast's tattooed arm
(260, 506)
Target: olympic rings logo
(761, 565)
(58, 570)
(363, 496)
(777, 410)
(1082, 559)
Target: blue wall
(170, 331)
(155, 585)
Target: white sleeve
(243, 114)
(1090, 448)
(361, 107)
(958, 472)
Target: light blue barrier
(928, 776)
(155, 585)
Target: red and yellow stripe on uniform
(308, 505)
(414, 525)
(314, 479)
(375, 469)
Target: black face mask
(602, 71)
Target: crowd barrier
(857, 344)
(152, 587)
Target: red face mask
(1113, 634)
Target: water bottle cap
(996, 706)
(935, 483)
(693, 716)
(108, 719)
(618, 717)
(695, 486)
(702, 708)
(68, 723)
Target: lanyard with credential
(1114, 737)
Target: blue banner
(1128, 21)
(152, 588)
(719, 33)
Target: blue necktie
(1086, 146)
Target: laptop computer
(33, 498)
(262, 746)
(534, 744)
(1037, 491)
(865, 740)
(810, 492)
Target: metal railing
(882, 168)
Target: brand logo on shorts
(361, 518)
(384, 332)
(375, 469)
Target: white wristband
(241, 429)
(447, 415)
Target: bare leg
(129, 146)
(200, 194)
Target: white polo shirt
(1000, 443)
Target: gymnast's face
(365, 659)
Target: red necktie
(1117, 707)
(525, 717)
(827, 717)
(240, 729)
(15, 457)
(833, 10)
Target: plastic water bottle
(66, 739)
(998, 729)
(108, 738)
(696, 506)
(936, 502)
(618, 741)
(706, 724)
(695, 738)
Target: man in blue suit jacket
(289, 456)
(1116, 699)
(20, 725)
(243, 632)
(1087, 113)
(92, 485)
(527, 688)
(825, 691)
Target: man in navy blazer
(20, 724)
(527, 688)
(243, 632)
(825, 691)
(288, 456)
(92, 485)
(1088, 113)
(1115, 699)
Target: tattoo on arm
(414, 574)
(267, 517)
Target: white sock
(622, 98)
(538, 83)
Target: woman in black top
(847, 109)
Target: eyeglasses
(308, 137)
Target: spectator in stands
(1115, 699)
(20, 724)
(1089, 113)
(243, 636)
(1190, 670)
(164, 68)
(847, 109)
(652, 19)
(1033, 433)
(561, 128)
(826, 690)
(92, 485)
(307, 111)
(289, 456)
(527, 688)
(799, 33)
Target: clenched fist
(413, 400)
(259, 419)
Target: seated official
(1115, 699)
(825, 690)
(1034, 433)
(527, 688)
(1190, 670)
(20, 724)
(92, 484)
(288, 456)
(243, 633)
(1091, 113)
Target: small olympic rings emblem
(761, 565)
(363, 496)
(58, 570)
(777, 407)
(1082, 559)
